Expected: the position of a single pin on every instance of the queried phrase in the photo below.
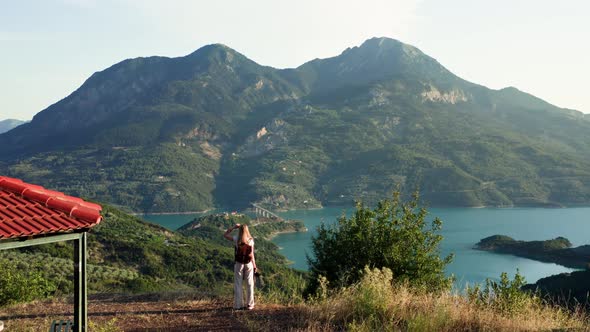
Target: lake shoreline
(274, 234)
(463, 227)
(169, 213)
(498, 207)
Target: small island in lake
(558, 250)
(212, 226)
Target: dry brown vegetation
(156, 312)
(373, 304)
(126, 313)
(407, 311)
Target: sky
(48, 48)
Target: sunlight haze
(49, 48)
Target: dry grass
(125, 313)
(374, 304)
(158, 312)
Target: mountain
(8, 124)
(214, 128)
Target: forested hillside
(129, 255)
(214, 128)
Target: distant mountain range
(8, 124)
(214, 128)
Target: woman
(245, 265)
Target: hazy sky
(48, 48)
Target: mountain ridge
(214, 128)
(9, 124)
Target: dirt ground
(154, 313)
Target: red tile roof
(28, 209)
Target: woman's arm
(227, 233)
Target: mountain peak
(388, 47)
(217, 49)
(376, 59)
(380, 42)
(216, 46)
(221, 55)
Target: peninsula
(558, 250)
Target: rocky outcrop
(450, 97)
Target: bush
(22, 286)
(371, 295)
(504, 296)
(145, 284)
(284, 286)
(393, 235)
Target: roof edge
(73, 206)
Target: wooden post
(80, 284)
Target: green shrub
(504, 296)
(285, 287)
(145, 284)
(18, 285)
(393, 235)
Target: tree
(393, 235)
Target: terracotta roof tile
(27, 210)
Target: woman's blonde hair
(244, 235)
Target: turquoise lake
(462, 228)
